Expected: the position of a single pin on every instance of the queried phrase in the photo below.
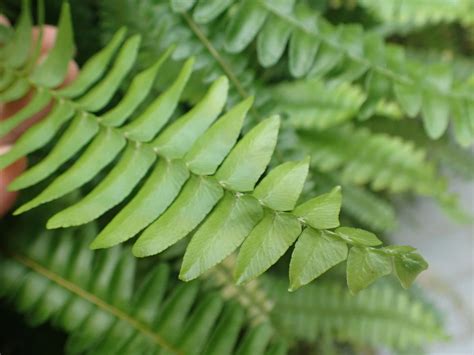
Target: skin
(7, 175)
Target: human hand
(7, 175)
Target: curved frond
(381, 315)
(384, 162)
(98, 298)
(419, 12)
(315, 48)
(182, 175)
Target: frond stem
(91, 298)
(397, 77)
(226, 68)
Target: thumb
(7, 175)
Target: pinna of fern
(197, 179)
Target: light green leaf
(158, 192)
(110, 191)
(364, 266)
(463, 119)
(18, 48)
(94, 68)
(207, 10)
(358, 236)
(244, 25)
(181, 5)
(272, 40)
(6, 79)
(268, 241)
(15, 91)
(281, 188)
(53, 70)
(315, 253)
(409, 97)
(327, 57)
(40, 134)
(222, 233)
(79, 133)
(303, 47)
(248, 160)
(197, 199)
(214, 145)
(39, 101)
(321, 212)
(408, 266)
(435, 109)
(144, 127)
(99, 154)
(178, 138)
(136, 93)
(96, 98)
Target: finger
(4, 21)
(7, 198)
(49, 37)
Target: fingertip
(4, 20)
(49, 37)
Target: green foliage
(189, 168)
(313, 103)
(317, 48)
(108, 306)
(381, 315)
(419, 13)
(387, 163)
(180, 177)
(109, 303)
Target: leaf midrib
(95, 300)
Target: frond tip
(197, 175)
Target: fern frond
(420, 12)
(444, 152)
(317, 48)
(314, 104)
(99, 300)
(192, 168)
(379, 316)
(384, 162)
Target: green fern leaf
(317, 48)
(187, 165)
